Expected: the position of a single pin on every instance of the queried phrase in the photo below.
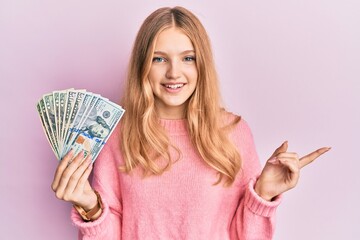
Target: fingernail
(71, 155)
(71, 152)
(90, 165)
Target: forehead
(173, 40)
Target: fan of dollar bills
(78, 120)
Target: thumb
(283, 148)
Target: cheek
(155, 74)
(152, 82)
(149, 85)
(192, 75)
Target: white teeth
(174, 86)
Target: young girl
(178, 166)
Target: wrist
(261, 193)
(92, 213)
(93, 201)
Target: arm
(106, 182)
(71, 184)
(255, 217)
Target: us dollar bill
(97, 127)
(75, 127)
(46, 125)
(50, 112)
(74, 111)
(78, 120)
(70, 101)
(56, 98)
(62, 104)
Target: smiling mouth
(173, 86)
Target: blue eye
(158, 59)
(189, 59)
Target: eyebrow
(184, 52)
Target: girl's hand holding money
(282, 171)
(71, 182)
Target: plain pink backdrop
(290, 68)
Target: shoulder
(235, 123)
(228, 118)
(241, 136)
(238, 128)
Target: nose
(173, 71)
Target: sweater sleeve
(106, 182)
(255, 217)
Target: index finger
(312, 156)
(60, 169)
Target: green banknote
(78, 120)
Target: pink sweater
(182, 203)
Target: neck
(173, 113)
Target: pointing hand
(282, 171)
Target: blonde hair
(143, 141)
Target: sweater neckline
(175, 126)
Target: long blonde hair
(143, 141)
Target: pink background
(290, 68)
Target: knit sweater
(182, 203)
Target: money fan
(78, 120)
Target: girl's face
(173, 73)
